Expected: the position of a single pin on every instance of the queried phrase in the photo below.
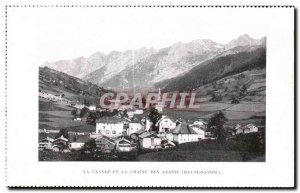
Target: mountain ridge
(148, 65)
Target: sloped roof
(122, 139)
(62, 138)
(199, 127)
(140, 131)
(238, 126)
(79, 138)
(47, 138)
(183, 128)
(148, 134)
(163, 118)
(249, 125)
(135, 120)
(111, 120)
(106, 138)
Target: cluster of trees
(235, 99)
(216, 126)
(154, 117)
(215, 97)
(93, 116)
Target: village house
(183, 133)
(92, 107)
(249, 128)
(166, 144)
(46, 144)
(138, 111)
(105, 144)
(124, 145)
(77, 118)
(200, 127)
(130, 113)
(165, 124)
(134, 126)
(110, 126)
(149, 140)
(200, 124)
(61, 141)
(57, 148)
(60, 144)
(79, 106)
(77, 141)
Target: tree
(216, 97)
(216, 125)
(236, 87)
(243, 90)
(125, 114)
(86, 102)
(84, 111)
(73, 112)
(89, 146)
(154, 117)
(62, 132)
(234, 99)
(91, 119)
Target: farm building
(110, 126)
(183, 133)
(105, 144)
(46, 143)
(166, 144)
(165, 124)
(125, 145)
(57, 148)
(200, 127)
(79, 106)
(149, 140)
(92, 107)
(77, 141)
(61, 141)
(249, 128)
(134, 126)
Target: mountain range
(147, 67)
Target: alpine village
(229, 86)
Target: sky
(71, 33)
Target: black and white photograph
(194, 101)
(139, 96)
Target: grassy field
(199, 156)
(58, 116)
(248, 107)
(250, 147)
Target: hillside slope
(50, 79)
(215, 69)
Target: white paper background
(24, 168)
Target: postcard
(150, 96)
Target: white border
(277, 169)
